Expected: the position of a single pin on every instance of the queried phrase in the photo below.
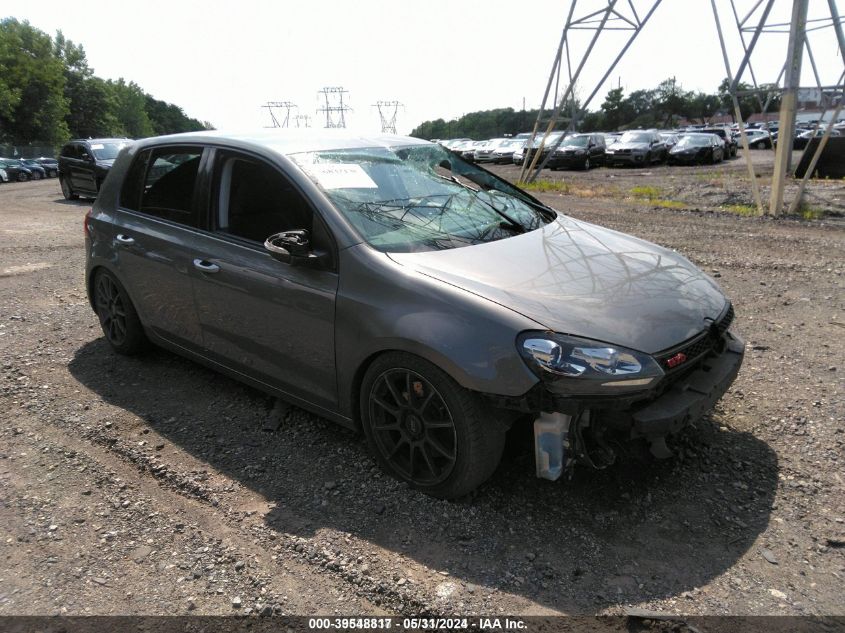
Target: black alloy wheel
(23, 176)
(427, 430)
(120, 323)
(413, 427)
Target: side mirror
(292, 247)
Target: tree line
(662, 107)
(49, 94)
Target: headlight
(581, 366)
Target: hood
(620, 145)
(581, 279)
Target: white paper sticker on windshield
(97, 146)
(341, 176)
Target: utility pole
(387, 111)
(334, 108)
(286, 106)
(789, 103)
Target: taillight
(85, 223)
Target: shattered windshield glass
(421, 197)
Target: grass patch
(740, 209)
(646, 193)
(543, 185)
(668, 204)
(811, 213)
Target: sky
(220, 61)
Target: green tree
(32, 102)
(614, 109)
(130, 109)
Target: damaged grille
(685, 355)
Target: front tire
(587, 164)
(425, 429)
(67, 191)
(118, 318)
(23, 177)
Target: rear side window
(162, 183)
(70, 151)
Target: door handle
(206, 267)
(124, 239)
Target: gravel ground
(152, 486)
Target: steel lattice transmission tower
(757, 22)
(285, 106)
(302, 120)
(334, 108)
(611, 15)
(387, 111)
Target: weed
(648, 193)
(740, 209)
(546, 186)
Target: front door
(270, 320)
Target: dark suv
(84, 163)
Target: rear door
(157, 225)
(267, 319)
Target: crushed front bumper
(689, 399)
(598, 424)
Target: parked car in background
(468, 150)
(758, 138)
(697, 148)
(37, 169)
(803, 139)
(669, 138)
(15, 169)
(637, 147)
(458, 146)
(581, 151)
(485, 153)
(84, 164)
(723, 133)
(611, 137)
(386, 284)
(50, 165)
(504, 152)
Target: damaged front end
(595, 400)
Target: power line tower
(612, 15)
(285, 106)
(302, 120)
(387, 111)
(799, 29)
(334, 108)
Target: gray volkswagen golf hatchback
(384, 283)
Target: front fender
(383, 306)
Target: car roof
(99, 140)
(287, 141)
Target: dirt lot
(148, 485)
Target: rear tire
(587, 164)
(67, 191)
(118, 318)
(427, 430)
(23, 177)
